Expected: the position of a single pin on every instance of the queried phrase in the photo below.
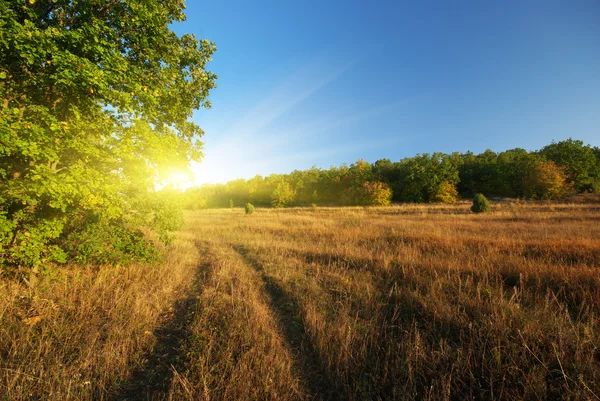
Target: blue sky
(305, 83)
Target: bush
(480, 204)
(249, 208)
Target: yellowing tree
(547, 181)
(446, 193)
(373, 193)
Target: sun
(177, 180)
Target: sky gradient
(307, 83)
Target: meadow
(407, 302)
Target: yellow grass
(404, 302)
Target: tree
(373, 193)
(447, 193)
(282, 195)
(422, 176)
(547, 181)
(579, 161)
(95, 106)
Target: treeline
(557, 170)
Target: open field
(403, 302)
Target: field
(406, 302)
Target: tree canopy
(437, 177)
(96, 100)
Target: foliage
(422, 176)
(249, 208)
(282, 195)
(547, 181)
(480, 204)
(579, 161)
(438, 177)
(369, 194)
(447, 193)
(95, 102)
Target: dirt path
(152, 381)
(306, 363)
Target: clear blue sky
(305, 83)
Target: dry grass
(412, 302)
(81, 333)
(405, 302)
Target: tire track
(306, 362)
(152, 380)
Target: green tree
(579, 161)
(282, 195)
(95, 106)
(423, 175)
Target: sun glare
(178, 180)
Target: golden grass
(425, 302)
(80, 333)
(405, 302)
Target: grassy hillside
(403, 302)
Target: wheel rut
(153, 380)
(306, 363)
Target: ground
(402, 302)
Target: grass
(404, 302)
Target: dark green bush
(249, 208)
(480, 204)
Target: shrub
(480, 204)
(249, 208)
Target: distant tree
(249, 208)
(447, 193)
(360, 172)
(579, 160)
(547, 181)
(422, 176)
(368, 194)
(97, 99)
(480, 204)
(383, 170)
(513, 169)
(434, 177)
(282, 195)
(259, 191)
(479, 173)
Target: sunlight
(177, 180)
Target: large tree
(96, 100)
